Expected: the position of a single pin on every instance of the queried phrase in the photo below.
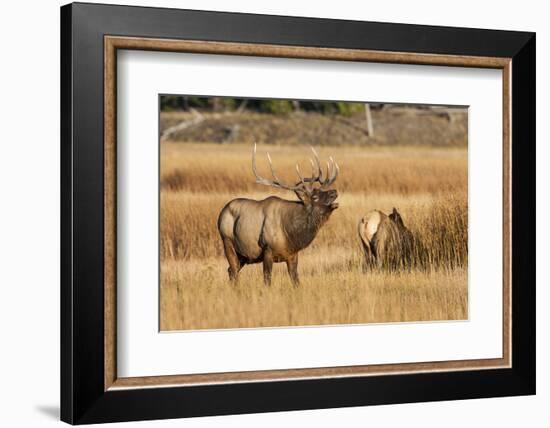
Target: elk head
(396, 218)
(319, 198)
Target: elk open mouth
(333, 194)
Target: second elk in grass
(275, 230)
(387, 243)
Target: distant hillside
(397, 125)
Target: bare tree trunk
(195, 120)
(242, 106)
(216, 104)
(368, 119)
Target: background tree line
(270, 106)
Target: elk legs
(268, 266)
(233, 259)
(292, 266)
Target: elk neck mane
(301, 223)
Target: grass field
(427, 185)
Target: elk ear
(395, 211)
(302, 195)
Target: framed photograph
(265, 213)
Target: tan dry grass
(366, 170)
(428, 186)
(197, 295)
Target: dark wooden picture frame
(90, 389)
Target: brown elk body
(275, 230)
(386, 241)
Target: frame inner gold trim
(113, 43)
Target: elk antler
(316, 174)
(332, 171)
(276, 182)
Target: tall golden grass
(428, 186)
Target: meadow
(428, 186)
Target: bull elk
(275, 230)
(386, 241)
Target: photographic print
(280, 213)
